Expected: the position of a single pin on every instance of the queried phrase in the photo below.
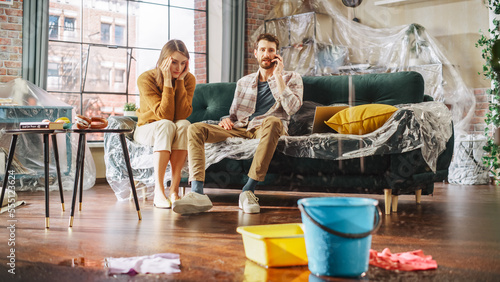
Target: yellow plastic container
(275, 245)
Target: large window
(98, 48)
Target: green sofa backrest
(211, 101)
(380, 88)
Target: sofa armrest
(428, 98)
(122, 122)
(116, 170)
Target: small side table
(45, 132)
(80, 157)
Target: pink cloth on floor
(407, 261)
(159, 263)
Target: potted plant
(129, 109)
(492, 120)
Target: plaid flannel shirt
(287, 103)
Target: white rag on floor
(159, 263)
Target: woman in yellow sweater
(166, 94)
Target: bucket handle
(377, 223)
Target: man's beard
(264, 66)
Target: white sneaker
(248, 202)
(192, 202)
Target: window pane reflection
(63, 71)
(184, 18)
(142, 61)
(148, 26)
(104, 65)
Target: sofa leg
(394, 203)
(387, 198)
(418, 194)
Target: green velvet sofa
(388, 174)
(382, 173)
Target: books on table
(41, 125)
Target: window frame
(85, 45)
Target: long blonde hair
(168, 49)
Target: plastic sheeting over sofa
(425, 126)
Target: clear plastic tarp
(22, 101)
(317, 39)
(467, 166)
(425, 126)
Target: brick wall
(11, 25)
(200, 42)
(477, 123)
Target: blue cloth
(265, 99)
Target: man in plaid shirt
(262, 105)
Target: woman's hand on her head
(165, 69)
(185, 72)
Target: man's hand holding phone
(278, 65)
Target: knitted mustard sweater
(172, 103)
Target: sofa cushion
(211, 101)
(361, 119)
(381, 88)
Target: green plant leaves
(129, 107)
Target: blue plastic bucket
(338, 233)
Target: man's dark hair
(268, 37)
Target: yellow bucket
(275, 245)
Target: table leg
(84, 143)
(77, 176)
(46, 167)
(58, 168)
(12, 149)
(130, 175)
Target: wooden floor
(459, 226)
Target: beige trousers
(163, 135)
(200, 133)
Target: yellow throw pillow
(361, 119)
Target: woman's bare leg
(177, 161)
(161, 159)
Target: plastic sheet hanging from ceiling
(20, 100)
(317, 39)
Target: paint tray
(275, 245)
